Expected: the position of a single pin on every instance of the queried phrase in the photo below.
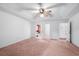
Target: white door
(47, 30)
(64, 29)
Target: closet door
(47, 30)
(64, 29)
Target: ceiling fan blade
(57, 5)
(29, 9)
(51, 15)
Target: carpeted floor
(40, 47)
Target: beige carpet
(40, 47)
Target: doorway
(64, 31)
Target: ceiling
(22, 10)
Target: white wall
(12, 29)
(75, 29)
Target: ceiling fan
(43, 12)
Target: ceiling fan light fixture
(41, 10)
(41, 15)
